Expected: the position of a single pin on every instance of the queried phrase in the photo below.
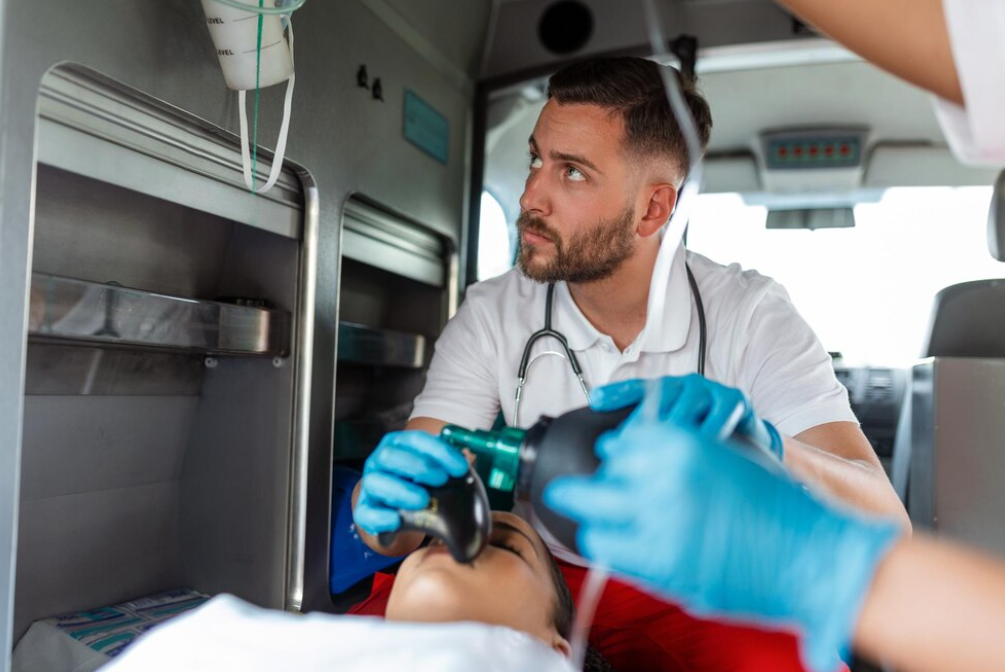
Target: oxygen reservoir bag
(254, 54)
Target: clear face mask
(254, 42)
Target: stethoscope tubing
(549, 332)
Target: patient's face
(509, 584)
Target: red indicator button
(845, 150)
(782, 152)
(813, 150)
(829, 150)
(798, 151)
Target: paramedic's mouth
(531, 237)
(533, 231)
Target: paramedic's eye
(535, 161)
(574, 174)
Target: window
(867, 291)
(495, 255)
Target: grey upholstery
(996, 220)
(968, 320)
(902, 444)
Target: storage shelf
(68, 310)
(359, 344)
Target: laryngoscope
(518, 461)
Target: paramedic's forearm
(906, 37)
(934, 607)
(838, 462)
(404, 542)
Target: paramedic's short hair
(633, 88)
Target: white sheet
(229, 634)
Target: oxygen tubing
(589, 598)
(286, 9)
(692, 186)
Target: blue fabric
(351, 559)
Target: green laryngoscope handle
(500, 448)
(525, 461)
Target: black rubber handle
(458, 514)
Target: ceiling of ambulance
(759, 69)
(907, 146)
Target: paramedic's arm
(933, 607)
(906, 37)
(404, 542)
(840, 461)
(793, 385)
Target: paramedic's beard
(591, 255)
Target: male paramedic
(606, 163)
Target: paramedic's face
(577, 212)
(508, 584)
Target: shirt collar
(569, 320)
(668, 317)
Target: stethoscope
(577, 370)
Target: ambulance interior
(143, 451)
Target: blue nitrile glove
(701, 523)
(395, 473)
(718, 411)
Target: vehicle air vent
(880, 388)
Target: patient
(514, 582)
(439, 617)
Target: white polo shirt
(976, 133)
(757, 342)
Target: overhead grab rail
(77, 311)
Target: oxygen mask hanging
(251, 43)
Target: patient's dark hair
(565, 614)
(564, 608)
(632, 88)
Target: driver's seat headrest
(996, 220)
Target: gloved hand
(717, 411)
(701, 523)
(394, 476)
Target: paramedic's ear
(560, 644)
(661, 204)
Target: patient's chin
(431, 595)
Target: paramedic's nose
(534, 199)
